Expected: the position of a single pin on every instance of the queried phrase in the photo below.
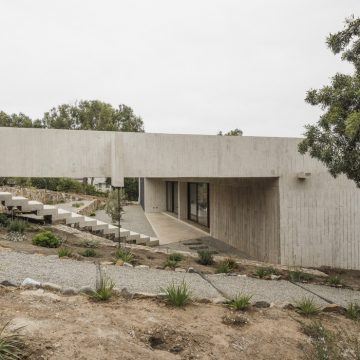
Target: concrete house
(257, 194)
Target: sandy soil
(59, 327)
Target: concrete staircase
(52, 214)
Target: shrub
(4, 220)
(226, 266)
(89, 253)
(176, 257)
(171, 263)
(178, 295)
(46, 239)
(93, 214)
(124, 255)
(240, 302)
(12, 346)
(353, 311)
(64, 252)
(334, 280)
(104, 288)
(262, 272)
(91, 243)
(299, 276)
(307, 307)
(77, 205)
(18, 226)
(205, 257)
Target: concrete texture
(170, 230)
(134, 219)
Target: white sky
(187, 66)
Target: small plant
(77, 205)
(353, 311)
(64, 252)
(18, 226)
(124, 255)
(89, 253)
(226, 266)
(307, 307)
(178, 295)
(240, 302)
(104, 288)
(171, 263)
(4, 220)
(205, 257)
(262, 272)
(90, 244)
(12, 346)
(93, 214)
(298, 275)
(176, 257)
(46, 239)
(334, 280)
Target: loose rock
(180, 270)
(51, 286)
(8, 283)
(261, 304)
(334, 308)
(86, 290)
(142, 267)
(128, 264)
(119, 263)
(28, 282)
(70, 291)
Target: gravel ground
(276, 291)
(17, 266)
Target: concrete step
(153, 242)
(100, 225)
(5, 196)
(32, 206)
(16, 201)
(47, 210)
(74, 219)
(143, 240)
(87, 222)
(133, 236)
(61, 215)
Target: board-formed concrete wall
(319, 217)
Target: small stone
(8, 283)
(51, 286)
(176, 349)
(28, 282)
(180, 270)
(119, 263)
(275, 277)
(203, 301)
(125, 293)
(144, 295)
(235, 320)
(86, 290)
(70, 291)
(191, 270)
(261, 304)
(219, 300)
(334, 308)
(289, 307)
(128, 264)
(106, 263)
(145, 267)
(242, 275)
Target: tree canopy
(234, 132)
(335, 138)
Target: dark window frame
(172, 184)
(197, 203)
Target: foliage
(112, 207)
(77, 205)
(330, 345)
(335, 138)
(171, 263)
(297, 275)
(62, 252)
(307, 307)
(176, 257)
(226, 266)
(12, 346)
(91, 243)
(89, 253)
(178, 295)
(353, 311)
(334, 280)
(262, 272)
(4, 220)
(18, 226)
(46, 239)
(125, 255)
(234, 132)
(15, 120)
(104, 287)
(240, 302)
(131, 189)
(205, 257)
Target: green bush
(4, 220)
(125, 255)
(12, 346)
(171, 263)
(240, 302)
(64, 252)
(205, 257)
(353, 311)
(178, 295)
(104, 289)
(89, 253)
(176, 257)
(46, 239)
(77, 205)
(334, 280)
(18, 226)
(226, 266)
(297, 275)
(307, 307)
(262, 272)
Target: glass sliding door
(172, 196)
(198, 203)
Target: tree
(235, 132)
(112, 207)
(15, 120)
(335, 138)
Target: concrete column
(155, 195)
(182, 200)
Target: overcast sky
(196, 66)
